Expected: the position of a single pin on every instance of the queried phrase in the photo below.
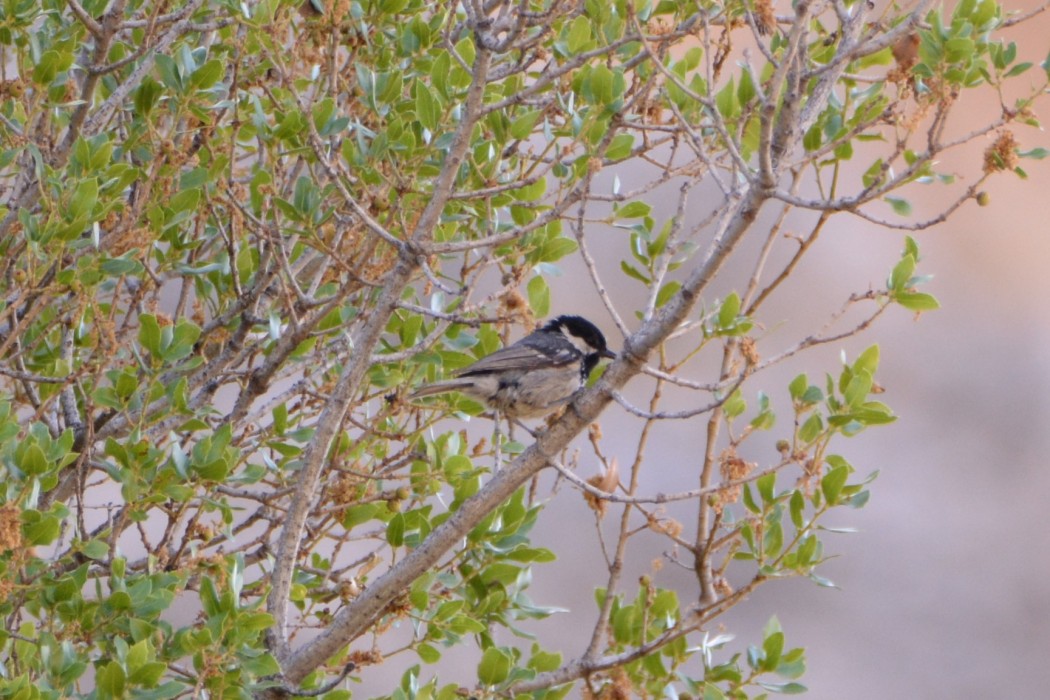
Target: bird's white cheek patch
(579, 343)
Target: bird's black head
(585, 335)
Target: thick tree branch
(330, 421)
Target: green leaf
(1036, 153)
(356, 515)
(1018, 69)
(558, 248)
(789, 688)
(873, 174)
(183, 338)
(632, 271)
(746, 90)
(208, 74)
(797, 505)
(532, 554)
(428, 654)
(544, 660)
(734, 405)
(494, 666)
(821, 581)
(116, 267)
(984, 12)
(765, 486)
(465, 49)
(772, 647)
(773, 538)
(531, 193)
(39, 528)
(620, 147)
(712, 692)
(169, 72)
(599, 85)
(666, 292)
(765, 419)
(959, 49)
(812, 140)
(902, 273)
(811, 429)
(138, 654)
(254, 622)
(500, 572)
(901, 207)
(148, 675)
(917, 301)
(83, 200)
(658, 245)
(111, 679)
(184, 201)
(858, 388)
(726, 101)
(749, 503)
(539, 296)
(798, 386)
(395, 530)
(879, 58)
(832, 483)
(32, 460)
(867, 361)
(51, 63)
(95, 549)
(633, 210)
(730, 308)
(209, 596)
(859, 500)
(806, 553)
(521, 127)
(911, 247)
(579, 38)
(428, 106)
(265, 665)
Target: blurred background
(944, 591)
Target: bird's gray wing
(520, 357)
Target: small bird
(535, 375)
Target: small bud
(906, 50)
(982, 199)
(611, 478)
(606, 482)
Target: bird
(534, 376)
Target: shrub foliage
(234, 234)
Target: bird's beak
(608, 354)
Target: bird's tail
(440, 387)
